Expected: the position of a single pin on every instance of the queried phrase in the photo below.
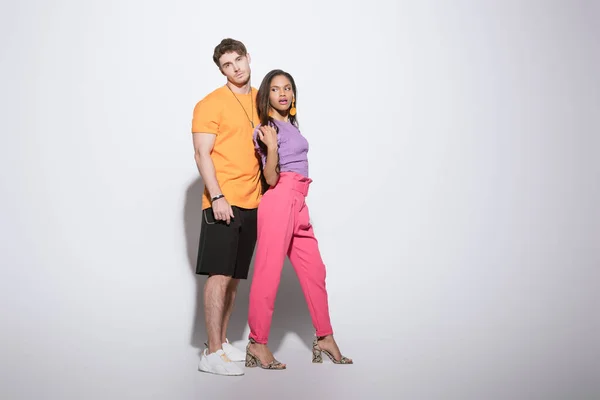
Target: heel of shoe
(317, 356)
(251, 361)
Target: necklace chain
(244, 108)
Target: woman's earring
(293, 108)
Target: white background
(454, 152)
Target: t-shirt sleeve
(207, 117)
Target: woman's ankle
(255, 342)
(325, 337)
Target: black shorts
(227, 249)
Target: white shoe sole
(209, 370)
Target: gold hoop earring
(293, 108)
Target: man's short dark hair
(227, 46)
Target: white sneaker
(233, 353)
(218, 363)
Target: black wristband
(217, 197)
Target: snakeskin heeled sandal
(317, 358)
(253, 361)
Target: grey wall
(454, 152)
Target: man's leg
(246, 218)
(217, 259)
(216, 303)
(229, 296)
(214, 359)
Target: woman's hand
(268, 135)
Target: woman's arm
(268, 135)
(270, 168)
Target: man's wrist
(217, 197)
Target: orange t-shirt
(236, 165)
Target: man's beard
(241, 83)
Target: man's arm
(203, 145)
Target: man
(222, 128)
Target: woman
(283, 225)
